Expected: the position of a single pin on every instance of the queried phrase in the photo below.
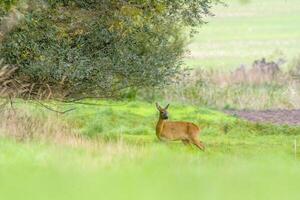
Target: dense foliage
(97, 48)
(7, 4)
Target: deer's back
(179, 130)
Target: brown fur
(187, 132)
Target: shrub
(86, 48)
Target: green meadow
(244, 31)
(112, 152)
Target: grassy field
(243, 32)
(111, 152)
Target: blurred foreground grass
(119, 157)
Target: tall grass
(244, 88)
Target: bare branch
(53, 110)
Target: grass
(243, 32)
(251, 89)
(34, 171)
(110, 151)
(121, 161)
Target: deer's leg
(186, 142)
(198, 144)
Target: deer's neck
(160, 126)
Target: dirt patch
(287, 117)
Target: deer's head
(163, 113)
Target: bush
(83, 48)
(6, 5)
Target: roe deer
(187, 132)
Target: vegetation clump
(78, 48)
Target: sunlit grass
(242, 160)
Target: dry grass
(13, 87)
(261, 86)
(24, 125)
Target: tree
(82, 48)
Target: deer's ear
(158, 106)
(167, 106)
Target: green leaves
(101, 47)
(7, 4)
